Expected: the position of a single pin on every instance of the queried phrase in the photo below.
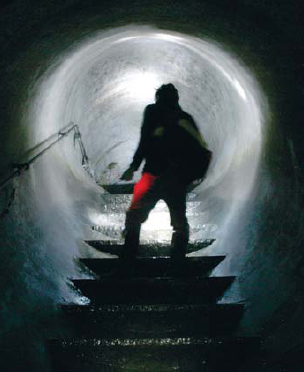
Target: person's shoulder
(150, 107)
(149, 115)
(189, 118)
(185, 115)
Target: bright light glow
(157, 221)
(139, 86)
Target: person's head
(167, 94)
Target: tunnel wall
(269, 258)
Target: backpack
(188, 154)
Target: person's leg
(145, 197)
(176, 201)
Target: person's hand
(128, 174)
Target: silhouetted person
(168, 136)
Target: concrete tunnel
(97, 64)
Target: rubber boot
(179, 244)
(129, 251)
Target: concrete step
(160, 321)
(128, 290)
(150, 249)
(151, 355)
(120, 203)
(125, 188)
(114, 231)
(126, 198)
(158, 224)
(156, 266)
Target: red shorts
(148, 191)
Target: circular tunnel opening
(105, 83)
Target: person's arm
(140, 151)
(190, 126)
